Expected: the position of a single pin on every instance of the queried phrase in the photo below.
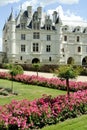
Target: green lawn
(72, 124)
(30, 92)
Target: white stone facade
(28, 39)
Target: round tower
(12, 45)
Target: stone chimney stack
(54, 16)
(39, 10)
(29, 9)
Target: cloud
(69, 1)
(4, 2)
(33, 3)
(44, 3)
(48, 2)
(0, 44)
(66, 15)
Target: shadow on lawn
(6, 92)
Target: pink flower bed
(55, 83)
(35, 114)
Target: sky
(74, 10)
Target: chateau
(29, 37)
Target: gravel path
(48, 75)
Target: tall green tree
(68, 72)
(13, 71)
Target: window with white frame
(23, 36)
(23, 48)
(48, 37)
(48, 48)
(36, 35)
(35, 47)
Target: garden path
(48, 75)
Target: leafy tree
(14, 70)
(37, 67)
(68, 72)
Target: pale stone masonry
(29, 37)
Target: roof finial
(20, 7)
(11, 9)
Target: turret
(12, 34)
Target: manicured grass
(72, 124)
(30, 92)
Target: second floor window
(23, 37)
(35, 47)
(23, 48)
(48, 37)
(36, 35)
(48, 48)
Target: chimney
(39, 10)
(29, 9)
(54, 16)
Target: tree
(37, 67)
(13, 71)
(68, 72)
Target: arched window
(78, 39)
(35, 60)
(79, 49)
(65, 38)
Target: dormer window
(23, 25)
(78, 29)
(48, 23)
(48, 27)
(65, 28)
(35, 16)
